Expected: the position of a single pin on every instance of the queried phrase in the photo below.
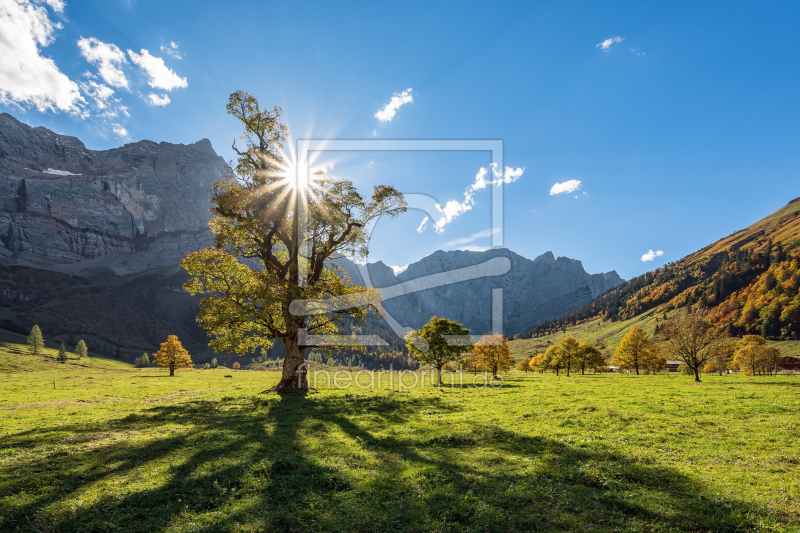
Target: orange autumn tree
(172, 355)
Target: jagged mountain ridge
(533, 290)
(65, 207)
(122, 219)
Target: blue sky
(682, 129)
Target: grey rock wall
(63, 206)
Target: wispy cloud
(26, 77)
(454, 208)
(565, 187)
(422, 225)
(159, 75)
(473, 237)
(102, 97)
(605, 45)
(107, 57)
(171, 49)
(388, 111)
(637, 52)
(158, 99)
(119, 131)
(649, 256)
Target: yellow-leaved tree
(536, 363)
(491, 354)
(524, 365)
(270, 273)
(637, 350)
(172, 355)
(753, 355)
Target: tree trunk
(696, 375)
(294, 378)
(172, 371)
(439, 375)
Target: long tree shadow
(313, 464)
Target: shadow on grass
(313, 464)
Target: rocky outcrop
(533, 290)
(65, 207)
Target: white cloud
(57, 5)
(422, 225)
(26, 77)
(454, 208)
(566, 187)
(108, 58)
(159, 75)
(398, 269)
(649, 256)
(474, 236)
(638, 53)
(103, 101)
(389, 110)
(474, 248)
(171, 49)
(605, 45)
(158, 99)
(119, 131)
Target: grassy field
(113, 448)
(607, 336)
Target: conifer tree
(80, 349)
(35, 340)
(172, 355)
(62, 354)
(144, 360)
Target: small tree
(537, 363)
(62, 354)
(524, 365)
(80, 349)
(172, 355)
(588, 357)
(722, 359)
(753, 355)
(568, 352)
(214, 363)
(430, 346)
(35, 340)
(491, 354)
(635, 349)
(144, 360)
(692, 338)
(236, 365)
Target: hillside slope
(750, 282)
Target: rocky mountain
(532, 290)
(90, 244)
(65, 207)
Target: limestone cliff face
(533, 290)
(65, 207)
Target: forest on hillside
(746, 291)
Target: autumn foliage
(172, 356)
(491, 354)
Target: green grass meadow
(114, 448)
